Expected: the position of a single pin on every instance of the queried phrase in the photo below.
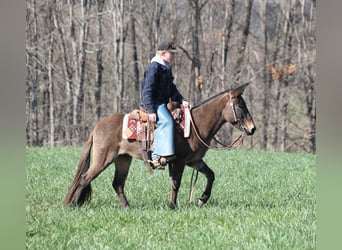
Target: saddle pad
(131, 128)
(186, 119)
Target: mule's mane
(211, 98)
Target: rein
(236, 144)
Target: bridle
(236, 119)
(236, 144)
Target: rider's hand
(152, 117)
(186, 104)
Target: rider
(157, 89)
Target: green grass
(260, 200)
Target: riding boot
(160, 162)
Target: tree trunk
(244, 39)
(79, 88)
(196, 63)
(34, 96)
(67, 73)
(285, 82)
(309, 89)
(228, 24)
(118, 34)
(196, 7)
(275, 119)
(122, 57)
(266, 95)
(309, 82)
(99, 61)
(136, 79)
(51, 93)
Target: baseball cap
(168, 45)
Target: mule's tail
(79, 194)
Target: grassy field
(260, 200)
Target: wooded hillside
(85, 60)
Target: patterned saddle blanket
(137, 127)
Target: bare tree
(265, 77)
(85, 58)
(243, 42)
(35, 80)
(136, 76)
(99, 60)
(119, 37)
(67, 70)
(51, 92)
(80, 59)
(226, 37)
(196, 7)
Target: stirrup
(161, 162)
(156, 164)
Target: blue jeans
(164, 134)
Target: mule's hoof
(70, 205)
(200, 203)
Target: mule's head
(236, 111)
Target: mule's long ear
(239, 90)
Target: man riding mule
(157, 88)
(108, 146)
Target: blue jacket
(157, 87)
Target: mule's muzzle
(251, 131)
(249, 128)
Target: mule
(108, 147)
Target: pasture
(260, 200)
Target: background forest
(85, 60)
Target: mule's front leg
(176, 172)
(118, 185)
(203, 168)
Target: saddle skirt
(137, 127)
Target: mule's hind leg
(203, 168)
(83, 191)
(122, 164)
